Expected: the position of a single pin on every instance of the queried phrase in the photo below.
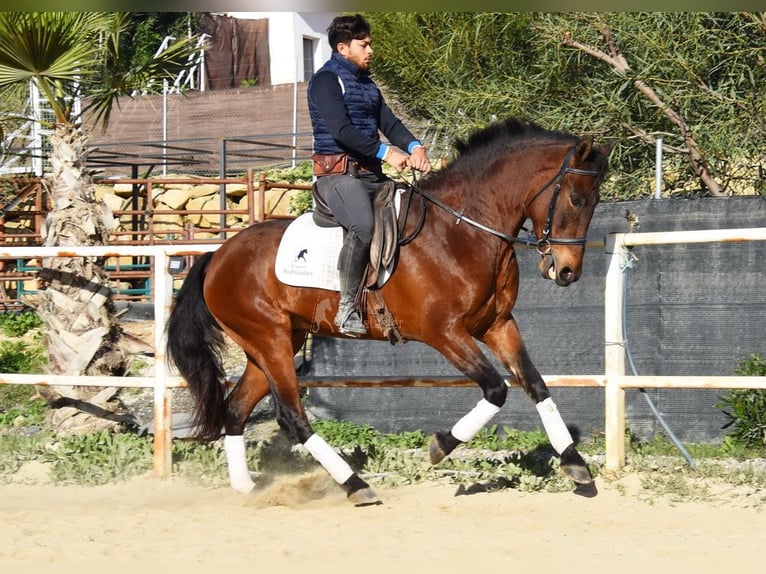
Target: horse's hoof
(579, 474)
(364, 497)
(586, 490)
(435, 452)
(573, 465)
(442, 443)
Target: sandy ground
(305, 521)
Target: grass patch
(20, 405)
(98, 458)
(20, 356)
(494, 459)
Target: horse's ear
(582, 151)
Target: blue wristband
(413, 145)
(382, 150)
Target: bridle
(543, 243)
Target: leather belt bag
(331, 164)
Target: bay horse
(456, 282)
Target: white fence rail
(617, 249)
(163, 381)
(614, 381)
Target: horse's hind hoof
(364, 497)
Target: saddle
(385, 236)
(383, 250)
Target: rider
(347, 113)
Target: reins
(531, 239)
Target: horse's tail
(195, 345)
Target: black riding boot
(352, 264)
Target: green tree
(696, 80)
(147, 30)
(67, 55)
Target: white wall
(286, 33)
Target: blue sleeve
(395, 131)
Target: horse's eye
(576, 200)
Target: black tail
(195, 346)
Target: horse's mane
(499, 138)
(512, 131)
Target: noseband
(542, 244)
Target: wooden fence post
(163, 394)
(614, 353)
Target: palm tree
(68, 55)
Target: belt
(355, 168)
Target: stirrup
(350, 323)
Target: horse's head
(562, 208)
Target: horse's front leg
(467, 357)
(504, 339)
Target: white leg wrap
(328, 458)
(557, 431)
(236, 458)
(467, 427)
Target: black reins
(531, 239)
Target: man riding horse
(347, 113)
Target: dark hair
(343, 29)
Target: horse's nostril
(567, 274)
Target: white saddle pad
(308, 254)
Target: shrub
(746, 408)
(18, 324)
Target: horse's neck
(491, 201)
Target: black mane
(480, 149)
(505, 133)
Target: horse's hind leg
(292, 416)
(248, 392)
(505, 341)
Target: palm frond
(53, 49)
(146, 77)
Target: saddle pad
(308, 254)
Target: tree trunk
(620, 65)
(75, 302)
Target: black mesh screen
(692, 309)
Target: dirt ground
(305, 521)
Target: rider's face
(358, 52)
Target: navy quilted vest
(362, 101)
